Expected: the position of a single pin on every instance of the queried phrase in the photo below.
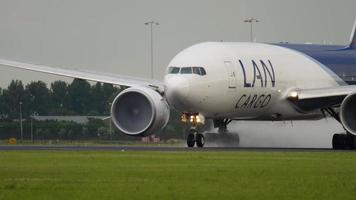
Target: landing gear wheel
(200, 140)
(343, 141)
(191, 140)
(337, 141)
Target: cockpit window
(186, 70)
(199, 70)
(196, 70)
(202, 71)
(173, 70)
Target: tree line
(76, 98)
(64, 99)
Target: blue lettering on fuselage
(262, 74)
(253, 101)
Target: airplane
(225, 81)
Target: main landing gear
(344, 141)
(195, 138)
(341, 141)
(223, 137)
(222, 125)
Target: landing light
(194, 119)
(293, 96)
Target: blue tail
(353, 38)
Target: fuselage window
(186, 70)
(174, 70)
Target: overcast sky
(110, 36)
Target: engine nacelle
(139, 111)
(348, 113)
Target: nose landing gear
(194, 119)
(200, 140)
(222, 138)
(195, 138)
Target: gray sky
(109, 35)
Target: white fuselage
(247, 81)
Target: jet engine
(348, 113)
(139, 111)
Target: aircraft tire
(191, 140)
(200, 140)
(353, 142)
(343, 141)
(337, 142)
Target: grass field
(177, 175)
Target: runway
(145, 148)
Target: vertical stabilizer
(353, 37)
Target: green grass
(177, 175)
(171, 143)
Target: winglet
(353, 37)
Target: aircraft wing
(312, 99)
(87, 75)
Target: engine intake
(348, 113)
(139, 111)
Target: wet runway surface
(144, 148)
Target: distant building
(145, 140)
(151, 139)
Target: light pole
(61, 108)
(33, 116)
(21, 128)
(151, 23)
(32, 129)
(110, 128)
(251, 21)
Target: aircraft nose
(177, 89)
